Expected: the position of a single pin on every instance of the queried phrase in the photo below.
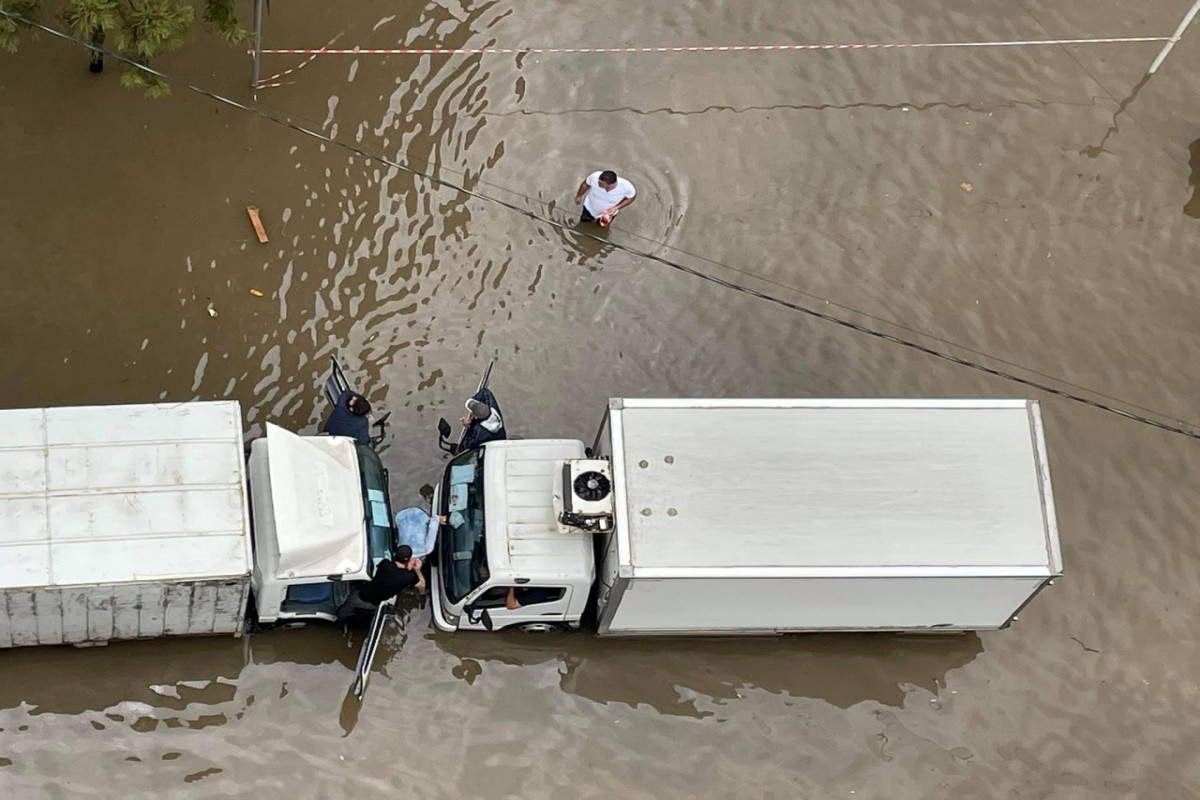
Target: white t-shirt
(598, 199)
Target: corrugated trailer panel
(232, 598)
(22, 618)
(153, 610)
(99, 614)
(95, 614)
(74, 614)
(48, 603)
(783, 605)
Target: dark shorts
(586, 216)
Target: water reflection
(170, 674)
(670, 675)
(167, 673)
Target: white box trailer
(122, 522)
(774, 516)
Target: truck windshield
(377, 513)
(462, 548)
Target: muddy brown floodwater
(827, 176)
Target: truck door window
(526, 596)
(462, 546)
(492, 598)
(536, 595)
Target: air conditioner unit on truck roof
(583, 496)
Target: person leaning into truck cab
(350, 417)
(390, 579)
(483, 423)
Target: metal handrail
(362, 670)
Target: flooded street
(1027, 208)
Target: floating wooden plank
(257, 223)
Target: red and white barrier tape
(272, 82)
(739, 48)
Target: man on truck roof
(390, 579)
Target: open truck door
(336, 384)
(466, 441)
(366, 656)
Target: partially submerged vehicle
(736, 517)
(122, 522)
(139, 521)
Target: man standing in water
(603, 195)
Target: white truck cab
(321, 519)
(501, 536)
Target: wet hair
(608, 176)
(402, 554)
(361, 407)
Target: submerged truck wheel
(540, 627)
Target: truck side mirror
(476, 616)
(444, 434)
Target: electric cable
(1182, 428)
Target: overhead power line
(1187, 429)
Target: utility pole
(254, 70)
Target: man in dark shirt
(391, 578)
(350, 418)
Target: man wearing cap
(390, 579)
(350, 417)
(482, 421)
(603, 195)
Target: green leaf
(29, 9)
(221, 15)
(154, 86)
(153, 27)
(10, 28)
(8, 35)
(86, 17)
